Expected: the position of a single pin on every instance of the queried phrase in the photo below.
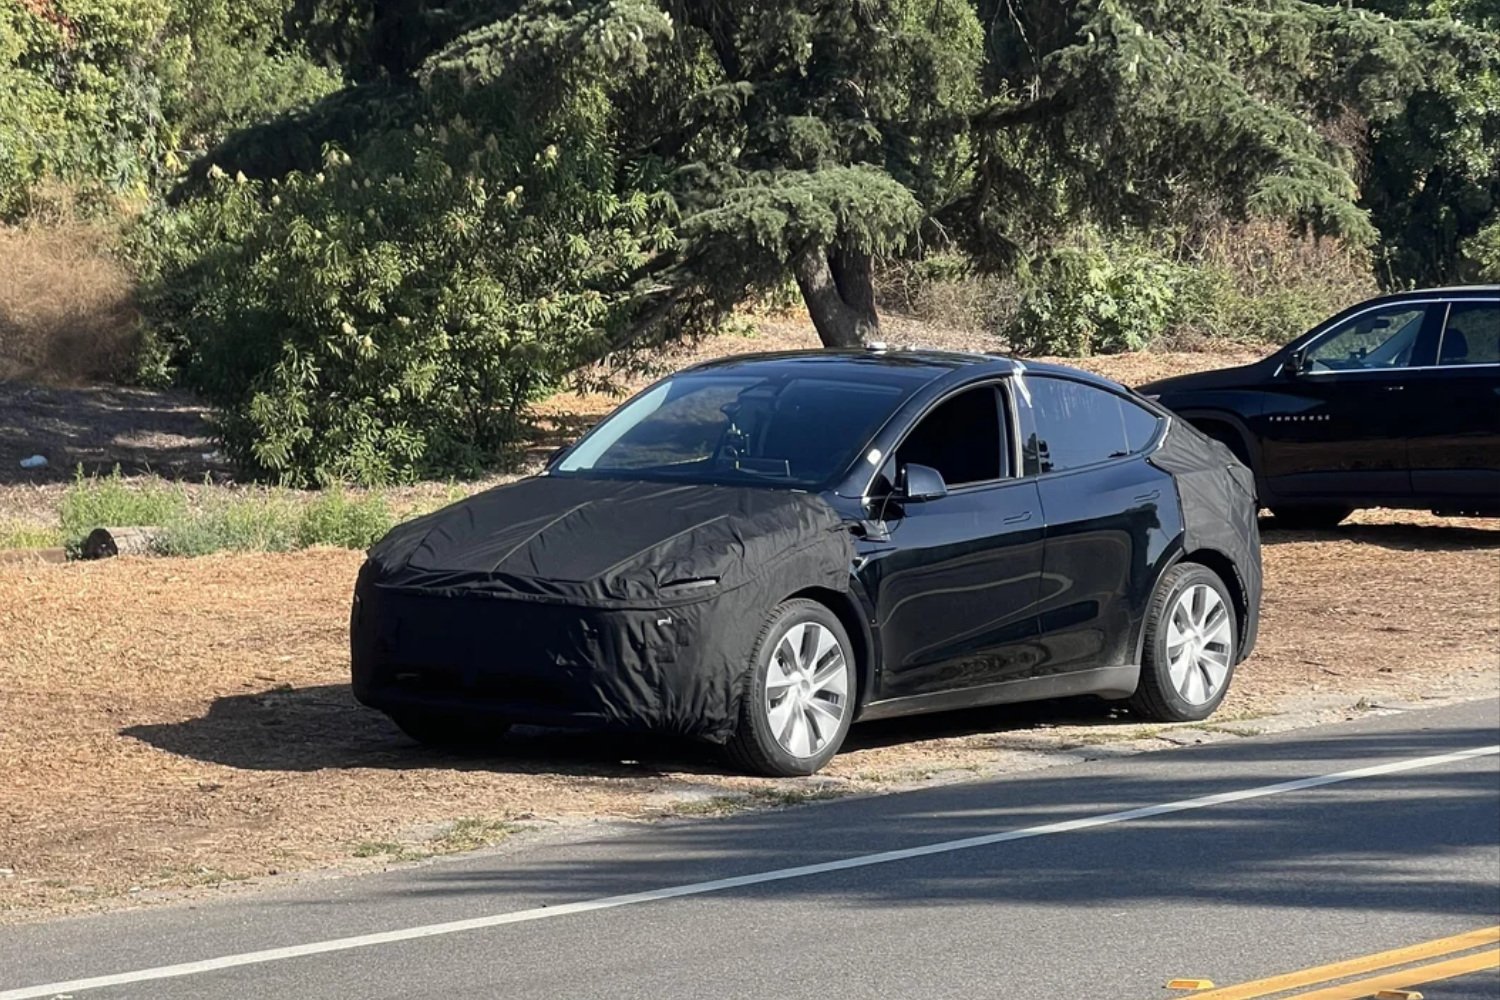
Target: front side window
(1472, 335)
(1079, 424)
(1381, 338)
(796, 429)
(960, 438)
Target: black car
(1393, 403)
(760, 550)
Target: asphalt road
(1230, 862)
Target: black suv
(1392, 403)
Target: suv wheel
(799, 698)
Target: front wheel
(799, 695)
(1190, 646)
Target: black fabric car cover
(623, 604)
(1218, 509)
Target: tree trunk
(840, 294)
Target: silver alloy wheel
(807, 689)
(1200, 644)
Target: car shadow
(323, 727)
(1399, 536)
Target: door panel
(1336, 436)
(1455, 411)
(1340, 429)
(955, 589)
(1105, 508)
(1107, 529)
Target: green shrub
(112, 501)
(1482, 253)
(16, 535)
(1088, 297)
(253, 522)
(336, 519)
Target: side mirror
(1296, 362)
(920, 483)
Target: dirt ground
(172, 726)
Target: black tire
(754, 746)
(1309, 518)
(1156, 696)
(445, 729)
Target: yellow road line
(1355, 966)
(1461, 966)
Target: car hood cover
(609, 542)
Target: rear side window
(1079, 424)
(1472, 335)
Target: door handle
(1393, 388)
(1147, 497)
(1017, 518)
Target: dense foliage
(414, 215)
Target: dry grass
(191, 716)
(187, 722)
(66, 312)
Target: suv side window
(1381, 338)
(960, 438)
(1472, 334)
(1079, 424)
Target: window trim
(993, 382)
(1151, 445)
(1308, 341)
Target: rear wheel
(1308, 518)
(799, 698)
(445, 729)
(1190, 647)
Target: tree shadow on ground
(99, 427)
(322, 727)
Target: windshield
(794, 430)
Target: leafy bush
(1482, 253)
(105, 93)
(250, 523)
(1094, 297)
(338, 520)
(392, 314)
(17, 535)
(112, 501)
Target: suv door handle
(1017, 518)
(1393, 388)
(1145, 497)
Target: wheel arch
(846, 608)
(1222, 567)
(1233, 427)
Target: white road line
(719, 885)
